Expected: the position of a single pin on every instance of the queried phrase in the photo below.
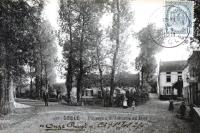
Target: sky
(145, 12)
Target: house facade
(170, 79)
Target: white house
(170, 73)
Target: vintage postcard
(99, 66)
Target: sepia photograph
(99, 66)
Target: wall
(185, 75)
(186, 89)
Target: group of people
(125, 103)
(182, 109)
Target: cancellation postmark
(177, 19)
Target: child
(125, 102)
(133, 105)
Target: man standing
(46, 96)
(171, 105)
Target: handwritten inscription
(114, 122)
(69, 125)
(103, 124)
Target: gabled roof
(172, 66)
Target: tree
(47, 53)
(90, 36)
(17, 24)
(67, 28)
(146, 62)
(100, 56)
(43, 54)
(197, 20)
(77, 21)
(122, 19)
(193, 60)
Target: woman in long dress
(125, 102)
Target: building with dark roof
(172, 66)
(170, 79)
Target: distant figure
(133, 104)
(125, 105)
(171, 105)
(182, 109)
(46, 97)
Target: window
(168, 78)
(168, 72)
(86, 92)
(168, 90)
(179, 77)
(179, 72)
(91, 92)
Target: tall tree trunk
(8, 87)
(142, 78)
(69, 80)
(46, 77)
(37, 73)
(100, 73)
(11, 95)
(1, 92)
(31, 82)
(101, 85)
(41, 72)
(79, 80)
(3, 80)
(113, 69)
(69, 76)
(37, 84)
(81, 69)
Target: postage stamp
(179, 17)
(176, 18)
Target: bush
(141, 96)
(131, 97)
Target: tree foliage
(197, 20)
(16, 26)
(22, 37)
(78, 25)
(146, 62)
(122, 18)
